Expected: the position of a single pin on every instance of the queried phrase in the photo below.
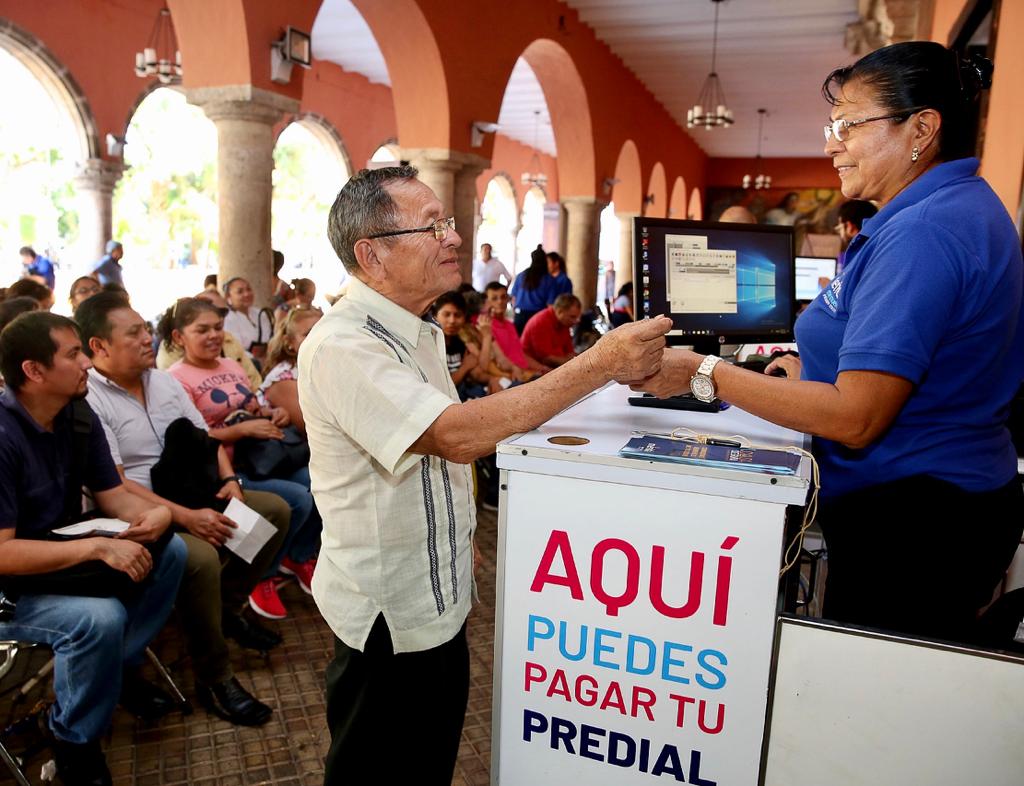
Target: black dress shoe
(233, 703)
(143, 699)
(81, 764)
(249, 633)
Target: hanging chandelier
(758, 180)
(710, 110)
(536, 177)
(161, 57)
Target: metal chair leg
(183, 704)
(13, 765)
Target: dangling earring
(915, 154)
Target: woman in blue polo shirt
(532, 290)
(910, 356)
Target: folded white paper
(252, 533)
(93, 527)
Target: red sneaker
(302, 571)
(265, 601)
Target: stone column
(624, 264)
(245, 118)
(94, 191)
(583, 232)
(452, 176)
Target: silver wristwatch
(701, 384)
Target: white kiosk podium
(636, 602)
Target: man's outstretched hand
(632, 352)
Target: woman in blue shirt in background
(910, 357)
(532, 290)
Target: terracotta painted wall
(620, 106)
(785, 172)
(944, 15)
(362, 113)
(227, 42)
(97, 40)
(514, 158)
(80, 35)
(1002, 162)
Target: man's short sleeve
(381, 403)
(100, 470)
(903, 302)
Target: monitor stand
(707, 346)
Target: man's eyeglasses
(439, 228)
(840, 128)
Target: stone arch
(696, 208)
(566, 97)
(506, 184)
(502, 237)
(656, 195)
(531, 223)
(677, 202)
(627, 194)
(325, 132)
(391, 146)
(57, 80)
(148, 90)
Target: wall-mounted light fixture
(648, 200)
(609, 183)
(294, 48)
(479, 128)
(115, 145)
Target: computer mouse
(779, 371)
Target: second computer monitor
(813, 274)
(720, 283)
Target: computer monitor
(720, 283)
(812, 275)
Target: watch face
(702, 388)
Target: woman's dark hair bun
(975, 75)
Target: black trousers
(395, 718)
(919, 555)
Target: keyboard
(684, 401)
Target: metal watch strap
(707, 365)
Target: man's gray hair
(363, 208)
(566, 301)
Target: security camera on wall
(295, 48)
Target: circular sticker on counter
(568, 440)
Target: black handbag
(272, 458)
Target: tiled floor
(203, 750)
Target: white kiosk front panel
(636, 604)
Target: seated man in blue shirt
(52, 444)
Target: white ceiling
(771, 53)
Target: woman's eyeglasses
(840, 128)
(439, 228)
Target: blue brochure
(768, 462)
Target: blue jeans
(93, 640)
(303, 538)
